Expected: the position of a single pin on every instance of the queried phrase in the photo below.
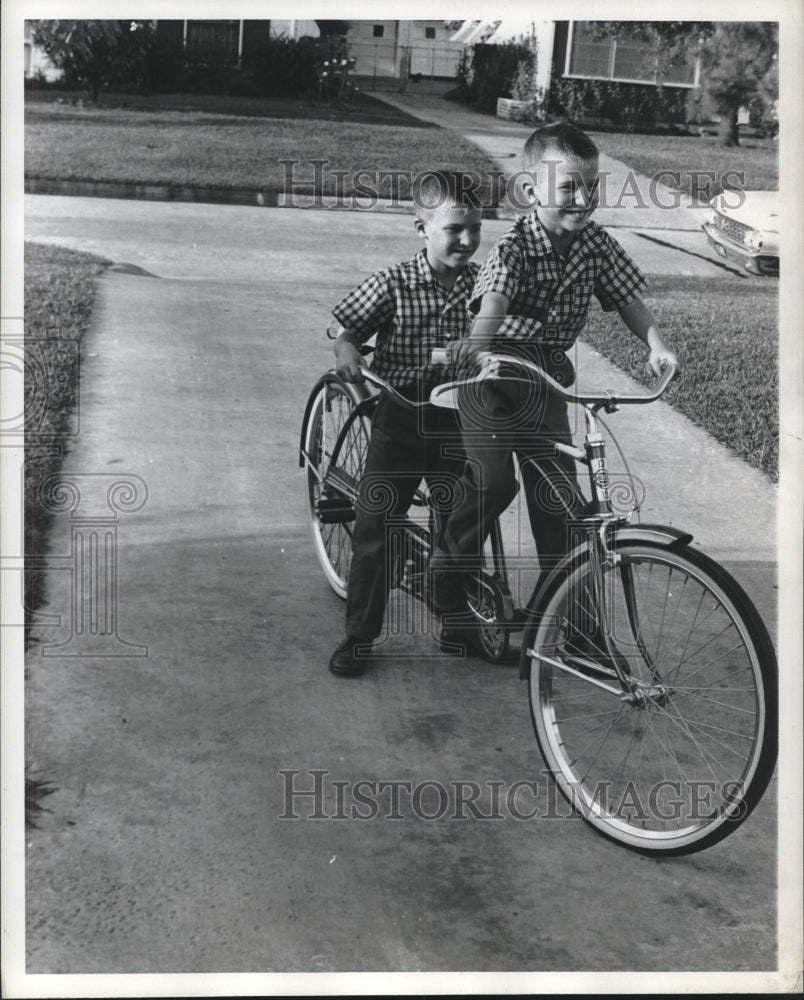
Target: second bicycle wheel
(336, 445)
(676, 758)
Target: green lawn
(59, 295)
(227, 152)
(362, 109)
(757, 160)
(726, 334)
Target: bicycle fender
(662, 535)
(359, 391)
(654, 534)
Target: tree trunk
(729, 132)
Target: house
(387, 53)
(228, 41)
(36, 62)
(576, 54)
(213, 40)
(393, 54)
(569, 56)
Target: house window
(429, 32)
(216, 41)
(625, 59)
(379, 30)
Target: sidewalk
(636, 201)
(167, 847)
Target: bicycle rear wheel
(486, 604)
(336, 445)
(676, 762)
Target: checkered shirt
(550, 298)
(411, 313)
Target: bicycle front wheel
(336, 444)
(674, 757)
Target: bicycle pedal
(335, 510)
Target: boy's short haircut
(560, 137)
(434, 188)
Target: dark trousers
(405, 446)
(500, 418)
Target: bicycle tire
(704, 730)
(485, 603)
(336, 442)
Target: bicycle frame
(596, 529)
(338, 507)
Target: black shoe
(345, 661)
(443, 592)
(594, 647)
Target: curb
(217, 196)
(266, 199)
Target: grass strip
(229, 153)
(60, 289)
(361, 109)
(726, 334)
(699, 160)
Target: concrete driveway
(174, 751)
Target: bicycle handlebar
(490, 366)
(373, 379)
(490, 369)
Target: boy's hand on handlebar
(659, 360)
(466, 354)
(348, 362)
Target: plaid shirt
(550, 298)
(411, 313)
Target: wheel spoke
(695, 717)
(338, 440)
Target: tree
(738, 65)
(95, 54)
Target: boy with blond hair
(531, 300)
(413, 308)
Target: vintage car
(743, 226)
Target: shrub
(626, 104)
(333, 68)
(285, 67)
(491, 74)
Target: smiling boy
(412, 308)
(531, 298)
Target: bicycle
(334, 441)
(663, 734)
